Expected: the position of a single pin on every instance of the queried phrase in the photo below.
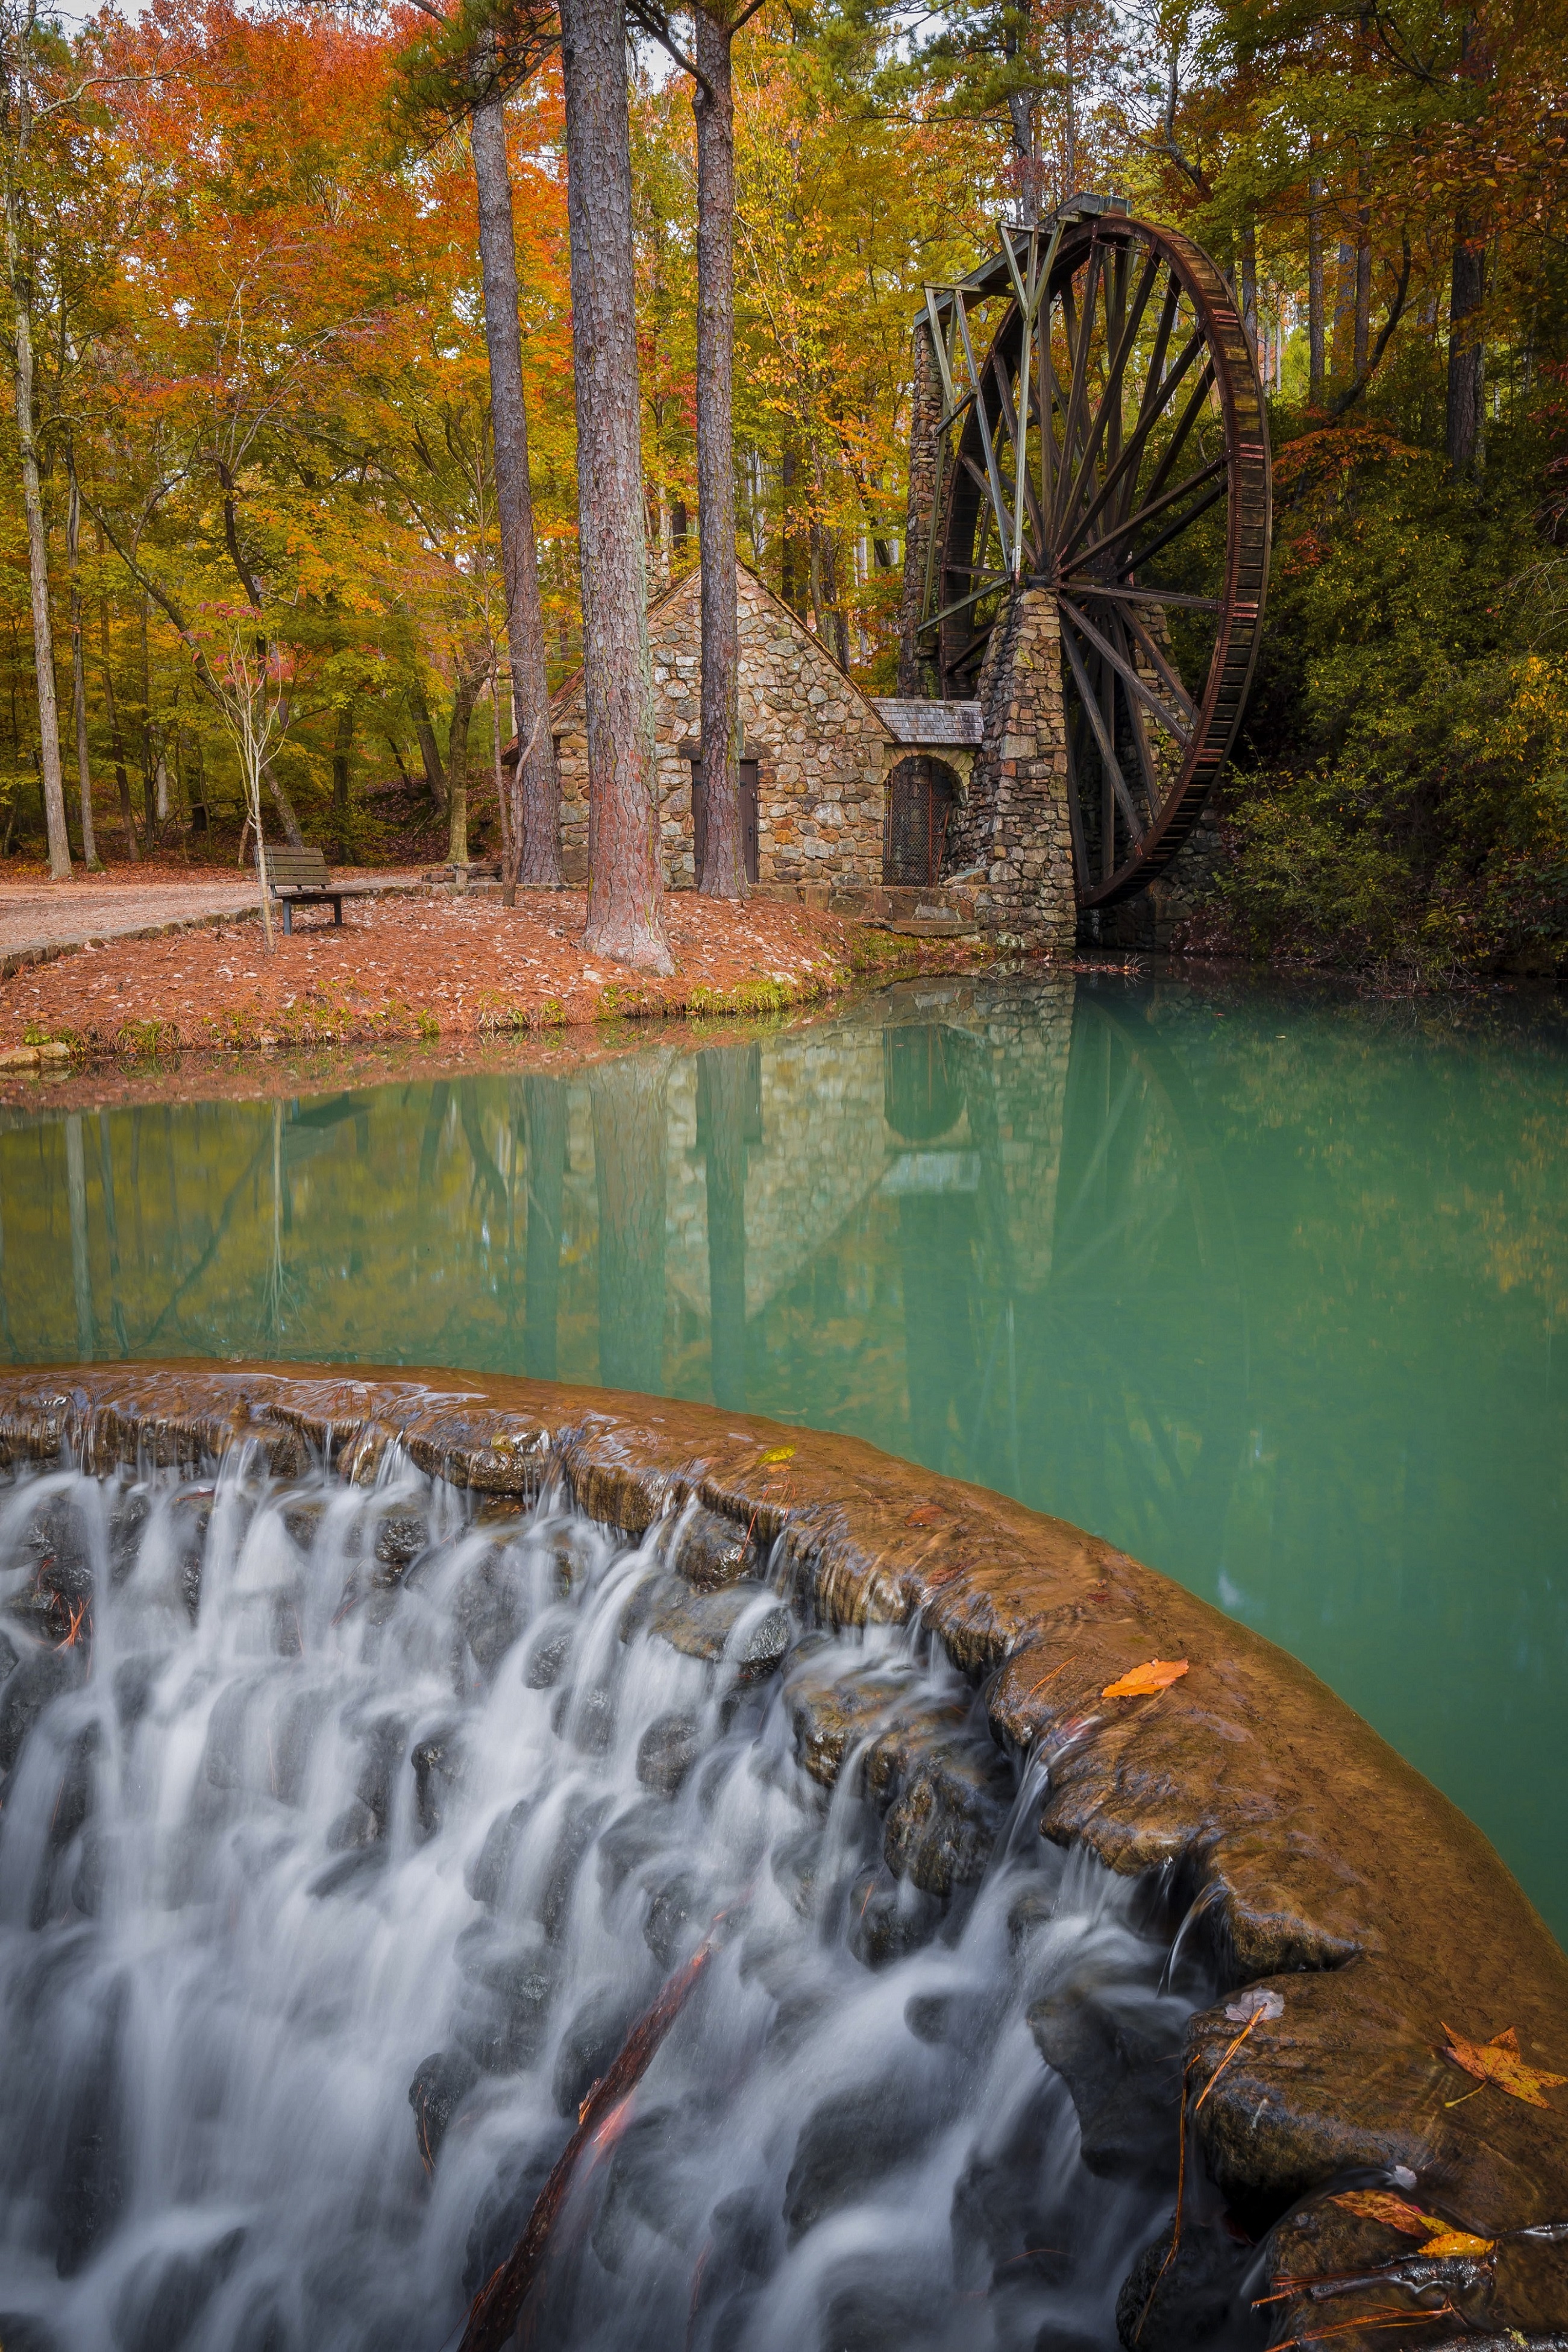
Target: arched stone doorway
(922, 794)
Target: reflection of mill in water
(1074, 1311)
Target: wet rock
(20, 2331)
(643, 2192)
(713, 1552)
(586, 1717)
(190, 1516)
(74, 1802)
(666, 1753)
(504, 2016)
(880, 2314)
(91, 2187)
(546, 1661)
(224, 1759)
(830, 1715)
(42, 1676)
(632, 1839)
(704, 1626)
(87, 1885)
(795, 1866)
(1197, 2301)
(292, 1736)
(890, 1918)
(503, 2211)
(849, 2143)
(1123, 2070)
(486, 1876)
(127, 1522)
(945, 1820)
(301, 1521)
(488, 1607)
(589, 2047)
(159, 2307)
(400, 1537)
(576, 1836)
(134, 1681)
(677, 1914)
(442, 2082)
(10, 1657)
(364, 1819)
(438, 1770)
(1007, 2211)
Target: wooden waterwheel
(1110, 447)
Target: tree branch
(1353, 392)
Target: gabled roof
(928, 726)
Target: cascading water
(348, 1831)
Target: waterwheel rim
(1146, 517)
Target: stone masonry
(822, 750)
(1015, 823)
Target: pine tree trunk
(78, 680)
(536, 786)
(463, 700)
(38, 541)
(724, 861)
(117, 744)
(429, 750)
(343, 746)
(626, 888)
(1466, 372)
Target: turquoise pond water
(1270, 1290)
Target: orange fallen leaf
(1497, 2061)
(1144, 1682)
(777, 1454)
(1382, 2205)
(1457, 2241)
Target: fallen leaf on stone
(777, 1454)
(1396, 2212)
(1145, 1682)
(1256, 2001)
(926, 1516)
(1497, 2061)
(1457, 2241)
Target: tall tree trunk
(342, 748)
(1466, 358)
(78, 676)
(535, 784)
(626, 885)
(1362, 289)
(1315, 288)
(280, 800)
(466, 695)
(117, 742)
(429, 750)
(794, 583)
(32, 505)
(724, 860)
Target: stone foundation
(1015, 823)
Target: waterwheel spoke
(1148, 644)
(1020, 470)
(1079, 345)
(1102, 737)
(1074, 808)
(1125, 594)
(1111, 403)
(1146, 554)
(1123, 476)
(1129, 675)
(1148, 513)
(1140, 733)
(1196, 401)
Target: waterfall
(349, 1830)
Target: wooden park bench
(297, 877)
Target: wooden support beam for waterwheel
(1105, 438)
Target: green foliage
(1406, 803)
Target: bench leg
(289, 918)
(337, 913)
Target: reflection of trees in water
(1133, 1366)
(729, 1117)
(631, 1121)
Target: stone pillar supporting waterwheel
(1099, 525)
